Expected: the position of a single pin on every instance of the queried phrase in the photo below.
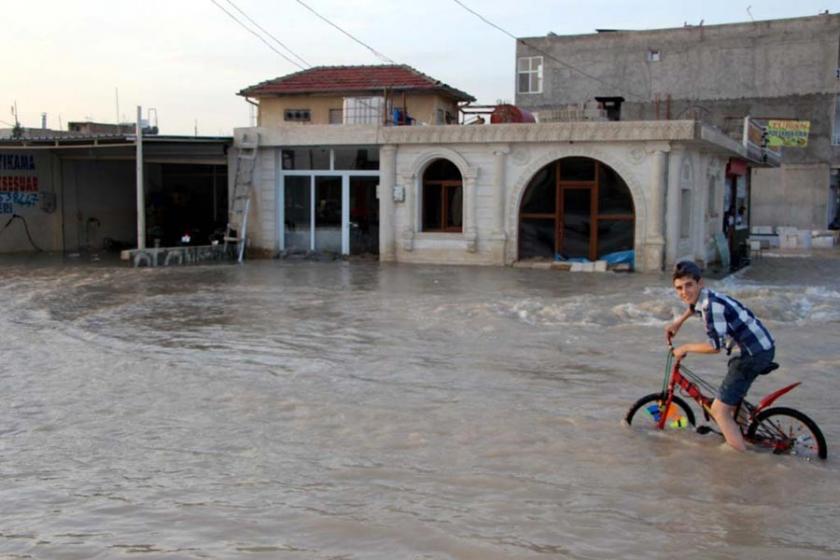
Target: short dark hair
(686, 268)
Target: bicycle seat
(772, 367)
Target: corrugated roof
(347, 79)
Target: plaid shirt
(727, 317)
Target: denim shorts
(743, 370)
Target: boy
(724, 317)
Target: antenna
(750, 13)
(117, 98)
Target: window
(442, 116)
(443, 195)
(364, 110)
(653, 55)
(685, 214)
(300, 159)
(530, 74)
(711, 203)
(297, 115)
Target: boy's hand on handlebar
(680, 352)
(671, 332)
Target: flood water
(364, 411)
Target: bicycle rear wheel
(788, 432)
(647, 411)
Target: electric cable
(25, 227)
(546, 54)
(257, 35)
(258, 26)
(368, 47)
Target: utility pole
(141, 197)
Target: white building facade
(493, 194)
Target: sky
(99, 59)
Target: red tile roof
(355, 79)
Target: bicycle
(783, 430)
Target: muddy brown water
(357, 410)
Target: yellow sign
(790, 134)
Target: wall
(776, 58)
(803, 189)
(420, 106)
(29, 187)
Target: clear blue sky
(187, 59)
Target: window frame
(531, 72)
(297, 115)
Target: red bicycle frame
(689, 387)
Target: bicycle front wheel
(788, 432)
(647, 411)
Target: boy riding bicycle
(724, 317)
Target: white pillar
(141, 196)
(409, 184)
(656, 213)
(499, 160)
(387, 180)
(470, 225)
(672, 203)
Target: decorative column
(656, 214)
(672, 205)
(470, 222)
(409, 183)
(499, 160)
(387, 181)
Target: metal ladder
(240, 203)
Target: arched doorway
(575, 208)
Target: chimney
(44, 120)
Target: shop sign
(18, 182)
(788, 134)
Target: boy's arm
(695, 348)
(672, 329)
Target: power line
(544, 53)
(255, 34)
(258, 26)
(368, 47)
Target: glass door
(364, 216)
(297, 214)
(328, 210)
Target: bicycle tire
(770, 429)
(650, 419)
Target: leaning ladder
(246, 159)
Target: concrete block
(804, 238)
(762, 230)
(600, 266)
(823, 242)
(788, 241)
(583, 267)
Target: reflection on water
(312, 410)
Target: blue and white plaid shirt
(727, 317)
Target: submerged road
(358, 410)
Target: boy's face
(688, 289)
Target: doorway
(576, 209)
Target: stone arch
(640, 199)
(421, 162)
